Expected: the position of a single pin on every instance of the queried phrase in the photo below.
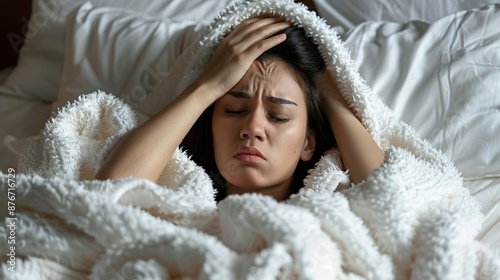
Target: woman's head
(273, 111)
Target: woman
(265, 122)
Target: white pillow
(41, 58)
(119, 51)
(442, 79)
(168, 89)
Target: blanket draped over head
(411, 218)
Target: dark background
(11, 22)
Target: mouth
(249, 155)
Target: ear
(309, 145)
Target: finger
(247, 27)
(282, 18)
(260, 34)
(258, 23)
(260, 47)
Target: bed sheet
(487, 192)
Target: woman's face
(260, 128)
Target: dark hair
(302, 55)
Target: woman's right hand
(145, 151)
(238, 50)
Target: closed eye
(238, 111)
(280, 120)
(233, 111)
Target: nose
(253, 126)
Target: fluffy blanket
(411, 218)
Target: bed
(435, 64)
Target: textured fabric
(411, 218)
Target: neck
(279, 192)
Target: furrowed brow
(238, 94)
(272, 99)
(281, 101)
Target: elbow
(102, 176)
(367, 167)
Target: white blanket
(411, 218)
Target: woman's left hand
(359, 152)
(328, 88)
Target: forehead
(271, 76)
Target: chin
(248, 180)
(248, 183)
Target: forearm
(146, 150)
(360, 154)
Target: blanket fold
(410, 219)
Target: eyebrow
(272, 99)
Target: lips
(249, 155)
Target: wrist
(335, 104)
(201, 92)
(330, 92)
